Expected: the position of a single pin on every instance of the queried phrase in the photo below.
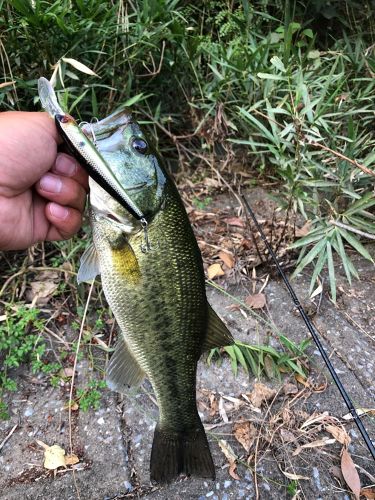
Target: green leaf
(233, 359)
(331, 271)
(352, 240)
(240, 357)
(277, 62)
(270, 76)
(311, 255)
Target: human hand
(42, 192)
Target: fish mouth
(136, 187)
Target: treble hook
(146, 245)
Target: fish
(155, 291)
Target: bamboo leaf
(331, 271)
(79, 66)
(352, 240)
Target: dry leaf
(71, 459)
(260, 394)
(245, 433)
(227, 450)
(350, 473)
(232, 471)
(360, 411)
(41, 292)
(339, 434)
(304, 230)
(314, 444)
(287, 436)
(53, 456)
(302, 380)
(6, 84)
(368, 492)
(66, 372)
(222, 412)
(214, 270)
(227, 259)
(235, 221)
(256, 301)
(294, 477)
(289, 388)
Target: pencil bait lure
(86, 153)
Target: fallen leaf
(222, 412)
(294, 477)
(66, 372)
(232, 471)
(227, 450)
(304, 230)
(350, 473)
(317, 291)
(235, 221)
(360, 411)
(245, 433)
(71, 459)
(314, 444)
(256, 301)
(289, 388)
(53, 456)
(287, 436)
(302, 380)
(339, 434)
(336, 471)
(41, 292)
(227, 259)
(368, 492)
(214, 270)
(260, 394)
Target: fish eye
(140, 145)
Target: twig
(343, 157)
(8, 436)
(73, 380)
(352, 229)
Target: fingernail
(51, 183)
(65, 165)
(58, 211)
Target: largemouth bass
(156, 292)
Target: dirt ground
(291, 453)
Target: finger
(62, 190)
(28, 144)
(65, 221)
(68, 166)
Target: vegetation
(285, 88)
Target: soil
(113, 443)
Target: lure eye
(140, 145)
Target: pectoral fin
(123, 369)
(89, 268)
(218, 334)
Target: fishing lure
(86, 153)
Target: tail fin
(173, 453)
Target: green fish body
(157, 295)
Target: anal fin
(123, 369)
(218, 334)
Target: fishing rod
(315, 337)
